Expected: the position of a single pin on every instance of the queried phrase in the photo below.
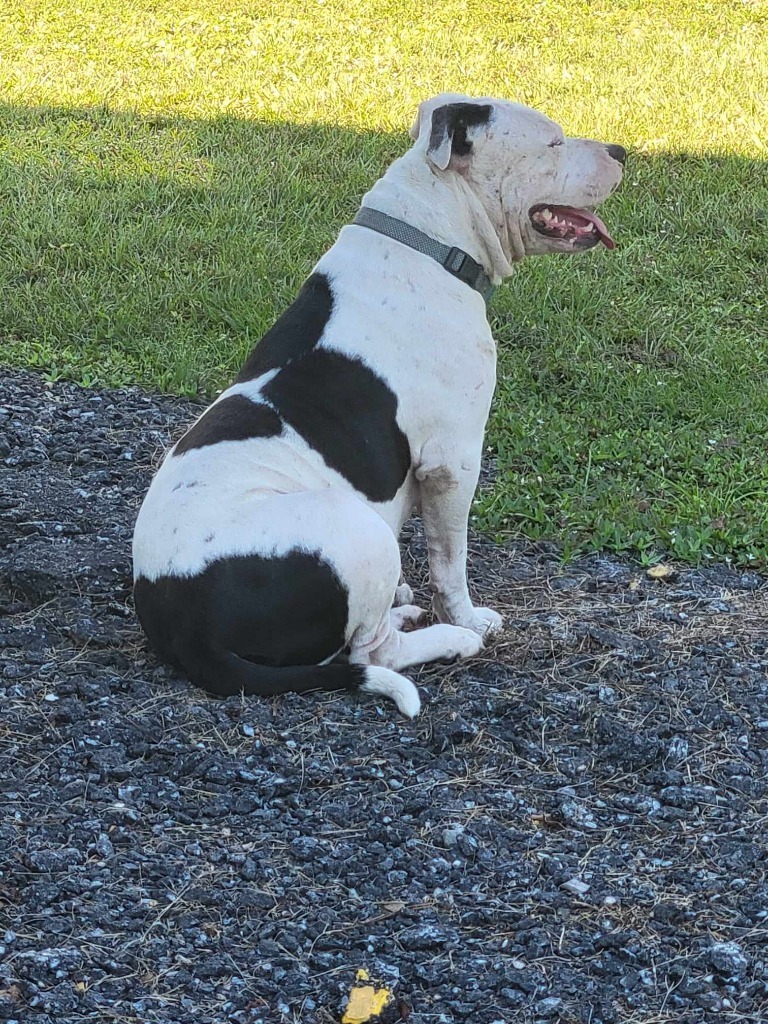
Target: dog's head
(537, 184)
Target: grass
(169, 172)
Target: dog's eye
(556, 142)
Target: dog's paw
(403, 595)
(485, 622)
(407, 616)
(461, 643)
(482, 621)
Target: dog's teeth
(546, 214)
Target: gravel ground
(572, 831)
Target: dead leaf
(541, 819)
(661, 572)
(394, 906)
(365, 1001)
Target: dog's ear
(421, 113)
(450, 131)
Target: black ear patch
(452, 121)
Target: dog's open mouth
(569, 224)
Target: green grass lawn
(169, 172)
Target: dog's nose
(617, 152)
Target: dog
(265, 552)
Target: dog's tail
(224, 674)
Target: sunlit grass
(668, 73)
(169, 172)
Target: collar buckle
(461, 265)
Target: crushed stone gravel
(573, 830)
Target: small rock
(249, 870)
(549, 1007)
(577, 814)
(423, 936)
(54, 860)
(451, 836)
(467, 844)
(727, 958)
(304, 847)
(104, 847)
(678, 748)
(576, 886)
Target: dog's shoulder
(298, 331)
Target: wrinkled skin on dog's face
(538, 185)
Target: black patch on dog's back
(297, 331)
(284, 610)
(236, 418)
(348, 414)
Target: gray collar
(455, 261)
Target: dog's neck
(445, 207)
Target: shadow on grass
(630, 412)
(157, 251)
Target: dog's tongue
(591, 218)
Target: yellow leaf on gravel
(365, 1002)
(660, 571)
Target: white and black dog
(265, 552)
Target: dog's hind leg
(391, 648)
(367, 555)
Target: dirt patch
(573, 830)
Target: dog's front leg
(446, 488)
